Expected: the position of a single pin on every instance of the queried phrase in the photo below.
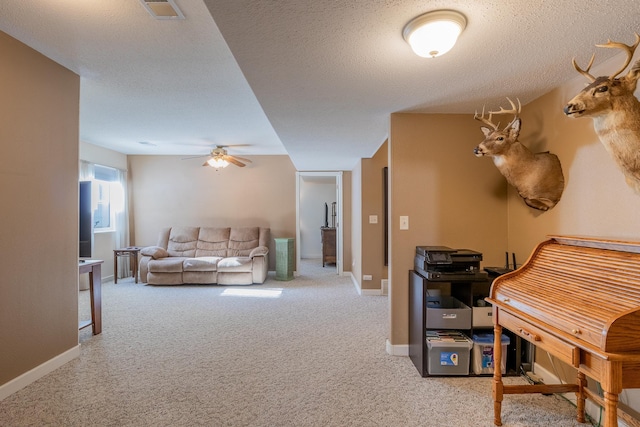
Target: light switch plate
(373, 219)
(404, 223)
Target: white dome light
(218, 162)
(434, 33)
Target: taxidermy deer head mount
(537, 177)
(615, 111)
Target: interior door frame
(339, 228)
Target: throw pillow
(154, 252)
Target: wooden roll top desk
(577, 298)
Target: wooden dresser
(577, 298)
(328, 245)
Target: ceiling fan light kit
(217, 162)
(219, 158)
(434, 33)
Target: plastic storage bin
(448, 353)
(446, 312)
(483, 362)
(482, 317)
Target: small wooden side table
(132, 253)
(94, 268)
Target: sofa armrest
(259, 268)
(259, 251)
(143, 267)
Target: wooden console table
(130, 252)
(94, 268)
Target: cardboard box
(483, 362)
(448, 353)
(446, 312)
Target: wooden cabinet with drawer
(328, 245)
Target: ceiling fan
(219, 158)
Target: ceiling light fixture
(434, 33)
(217, 162)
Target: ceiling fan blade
(206, 163)
(234, 161)
(194, 157)
(242, 159)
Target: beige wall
(39, 210)
(372, 239)
(168, 191)
(451, 197)
(596, 200)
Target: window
(106, 193)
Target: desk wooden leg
(611, 383)
(610, 409)
(497, 375)
(580, 397)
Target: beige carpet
(309, 352)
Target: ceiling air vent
(162, 9)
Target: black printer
(441, 263)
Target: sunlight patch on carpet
(254, 293)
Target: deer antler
(515, 111)
(486, 121)
(585, 72)
(630, 49)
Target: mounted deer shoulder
(537, 177)
(615, 111)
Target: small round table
(132, 253)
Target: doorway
(314, 191)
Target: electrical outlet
(367, 277)
(373, 219)
(404, 223)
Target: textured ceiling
(314, 79)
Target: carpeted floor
(308, 352)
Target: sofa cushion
(212, 241)
(241, 264)
(208, 263)
(242, 240)
(183, 241)
(155, 252)
(166, 265)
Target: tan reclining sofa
(207, 255)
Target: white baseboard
(38, 372)
(362, 292)
(397, 350)
(591, 408)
